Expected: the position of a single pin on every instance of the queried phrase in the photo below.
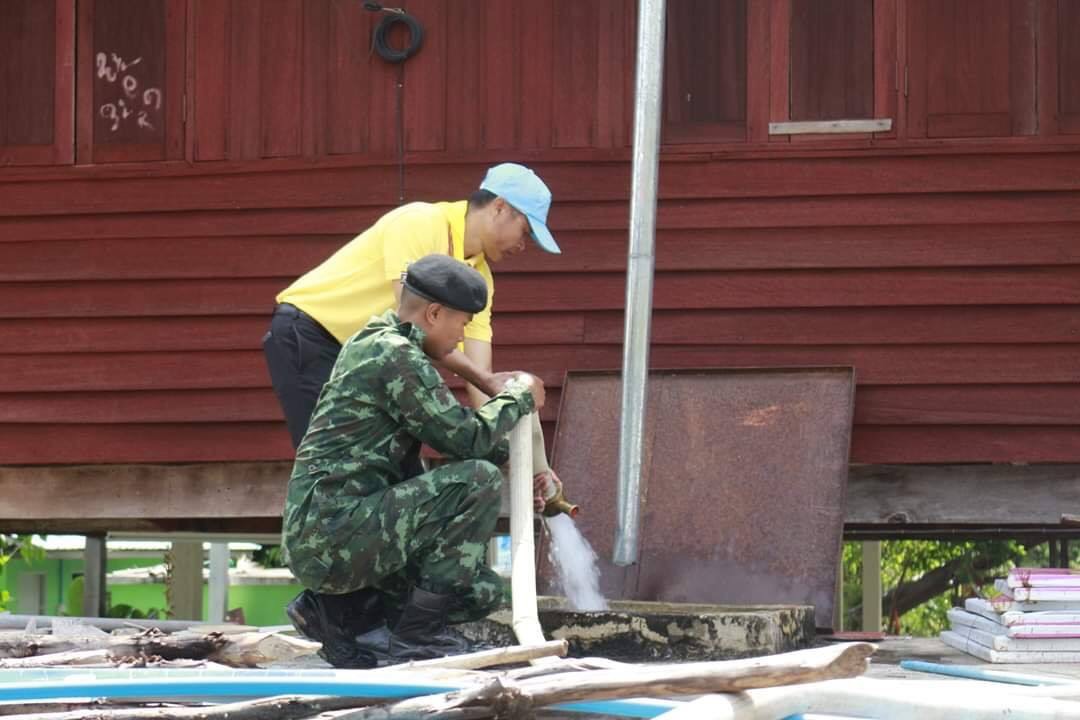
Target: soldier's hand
(498, 382)
(545, 485)
(539, 493)
(535, 386)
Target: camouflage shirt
(383, 398)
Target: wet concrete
(633, 631)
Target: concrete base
(634, 631)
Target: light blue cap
(526, 193)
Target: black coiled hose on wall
(392, 17)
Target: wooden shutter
(590, 51)
(972, 68)
(37, 82)
(131, 80)
(832, 59)
(705, 71)
(1068, 65)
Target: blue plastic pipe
(179, 687)
(970, 672)
(974, 673)
(190, 688)
(633, 708)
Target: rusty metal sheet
(743, 483)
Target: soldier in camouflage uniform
(370, 542)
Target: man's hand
(545, 485)
(535, 386)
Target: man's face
(509, 232)
(446, 328)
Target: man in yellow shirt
(324, 307)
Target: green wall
(262, 604)
(58, 576)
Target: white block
(971, 647)
(1045, 624)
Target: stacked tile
(1034, 619)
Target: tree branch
(909, 595)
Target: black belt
(289, 310)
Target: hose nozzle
(558, 503)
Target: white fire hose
(526, 622)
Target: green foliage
(269, 556)
(974, 565)
(30, 552)
(124, 610)
(10, 546)
(74, 595)
(5, 596)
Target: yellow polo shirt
(355, 283)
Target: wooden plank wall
(131, 320)
(133, 298)
(285, 78)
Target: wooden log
(803, 666)
(393, 713)
(506, 698)
(465, 669)
(285, 707)
(487, 658)
(73, 657)
(155, 662)
(252, 649)
(44, 622)
(502, 697)
(234, 650)
(104, 659)
(884, 699)
(495, 697)
(566, 665)
(45, 709)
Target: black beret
(444, 280)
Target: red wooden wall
(941, 259)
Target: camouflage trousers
(431, 530)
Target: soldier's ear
(433, 312)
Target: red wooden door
(37, 38)
(972, 68)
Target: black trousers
(300, 354)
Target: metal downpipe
(639, 274)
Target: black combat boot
(335, 621)
(421, 633)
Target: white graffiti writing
(152, 97)
(144, 106)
